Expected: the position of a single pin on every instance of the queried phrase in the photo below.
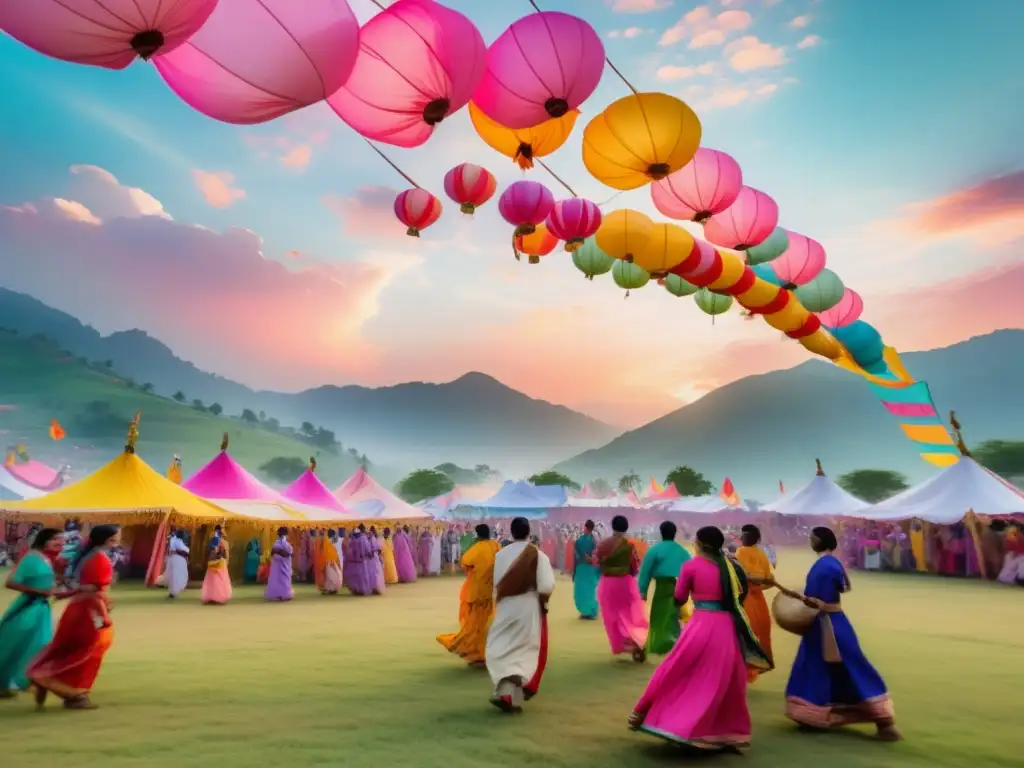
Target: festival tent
(230, 486)
(461, 495)
(34, 474)
(126, 490)
(667, 493)
(821, 497)
(950, 495)
(519, 498)
(309, 489)
(371, 500)
(653, 489)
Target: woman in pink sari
(698, 696)
(618, 596)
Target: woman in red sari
(68, 666)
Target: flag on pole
(56, 430)
(782, 488)
(728, 493)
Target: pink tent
(35, 474)
(310, 489)
(225, 478)
(370, 499)
(586, 493)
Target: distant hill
(761, 429)
(472, 420)
(40, 382)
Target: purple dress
(405, 563)
(377, 565)
(358, 573)
(279, 582)
(426, 545)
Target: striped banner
(911, 404)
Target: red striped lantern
(574, 221)
(417, 209)
(470, 186)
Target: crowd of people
(708, 614)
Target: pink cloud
(810, 41)
(212, 297)
(638, 6)
(749, 53)
(216, 188)
(669, 73)
(800, 22)
(298, 157)
(368, 212)
(704, 28)
(990, 212)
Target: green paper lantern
(628, 275)
(591, 260)
(675, 285)
(712, 303)
(770, 249)
(822, 293)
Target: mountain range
(756, 431)
(472, 420)
(763, 429)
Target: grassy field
(39, 383)
(321, 681)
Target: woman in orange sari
(759, 578)
(68, 666)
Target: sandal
(79, 702)
(639, 655)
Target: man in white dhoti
(517, 642)
(177, 564)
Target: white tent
(12, 489)
(708, 504)
(947, 497)
(820, 497)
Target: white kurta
(513, 641)
(435, 556)
(177, 566)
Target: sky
(269, 254)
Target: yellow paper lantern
(625, 235)
(732, 270)
(524, 144)
(668, 246)
(640, 139)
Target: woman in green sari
(662, 565)
(252, 561)
(585, 573)
(27, 625)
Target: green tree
(550, 477)
(179, 396)
(629, 482)
(600, 486)
(272, 424)
(216, 409)
(147, 388)
(424, 484)
(873, 485)
(460, 475)
(308, 428)
(108, 364)
(688, 481)
(283, 469)
(1004, 457)
(198, 405)
(248, 415)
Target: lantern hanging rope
(555, 176)
(607, 61)
(387, 160)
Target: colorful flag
(782, 488)
(9, 461)
(728, 493)
(56, 430)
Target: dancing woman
(68, 666)
(758, 569)
(618, 597)
(27, 625)
(698, 696)
(832, 682)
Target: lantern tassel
(412, 232)
(515, 251)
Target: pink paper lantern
(746, 223)
(801, 262)
(255, 60)
(417, 209)
(470, 186)
(574, 221)
(104, 33)
(418, 63)
(541, 67)
(705, 186)
(525, 204)
(847, 311)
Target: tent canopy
(225, 478)
(708, 504)
(368, 499)
(307, 488)
(35, 474)
(126, 486)
(820, 497)
(947, 497)
(519, 494)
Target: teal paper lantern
(628, 275)
(675, 285)
(822, 293)
(712, 303)
(770, 249)
(863, 343)
(591, 260)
